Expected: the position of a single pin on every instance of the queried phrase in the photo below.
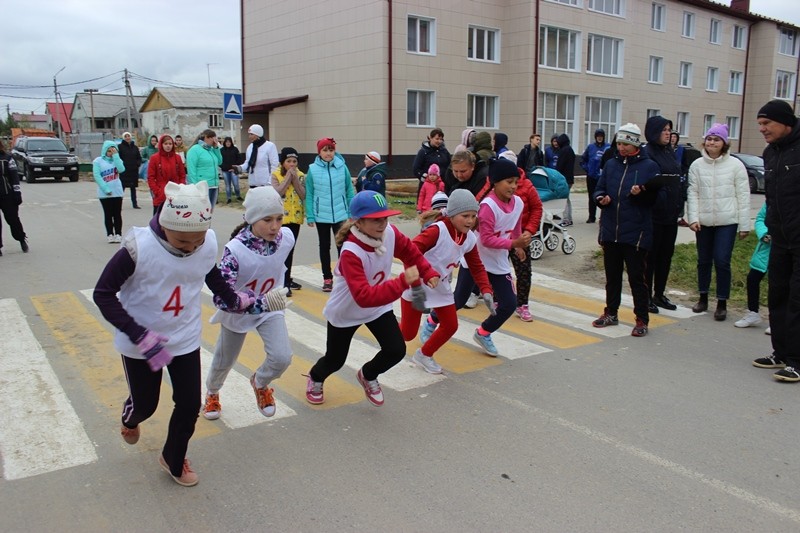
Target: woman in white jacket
(718, 205)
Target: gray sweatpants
(277, 349)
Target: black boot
(721, 312)
(702, 304)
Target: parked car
(40, 157)
(755, 170)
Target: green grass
(408, 205)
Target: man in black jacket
(10, 199)
(531, 155)
(780, 128)
(132, 159)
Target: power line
(12, 86)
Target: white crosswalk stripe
(40, 432)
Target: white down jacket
(719, 192)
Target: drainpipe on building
(796, 84)
(390, 89)
(744, 84)
(535, 64)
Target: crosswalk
(41, 432)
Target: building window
(735, 83)
(708, 121)
(609, 7)
(559, 48)
(784, 85)
(685, 79)
(421, 35)
(482, 111)
(557, 114)
(165, 121)
(653, 113)
(787, 43)
(604, 55)
(733, 127)
(600, 113)
(483, 44)
(712, 79)
(420, 108)
(214, 120)
(576, 3)
(739, 35)
(714, 31)
(688, 25)
(656, 74)
(683, 123)
(658, 17)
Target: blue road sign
(232, 104)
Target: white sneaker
(768, 331)
(472, 302)
(117, 238)
(430, 366)
(751, 318)
(110, 239)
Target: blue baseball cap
(370, 204)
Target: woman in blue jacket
(329, 189)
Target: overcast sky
(182, 42)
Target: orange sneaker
(264, 399)
(130, 435)
(212, 407)
(188, 478)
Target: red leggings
(409, 325)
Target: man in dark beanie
(779, 126)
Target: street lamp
(91, 104)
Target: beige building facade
(379, 75)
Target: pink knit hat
(434, 169)
(718, 130)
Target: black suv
(39, 157)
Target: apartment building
(378, 75)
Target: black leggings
(145, 386)
(112, 211)
(134, 203)
(754, 278)
(324, 231)
(295, 229)
(385, 328)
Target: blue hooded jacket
(106, 172)
(329, 190)
(590, 160)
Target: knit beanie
(256, 130)
(439, 200)
(718, 130)
(326, 141)
(510, 155)
(262, 202)
(286, 153)
(186, 207)
(778, 111)
(461, 200)
(375, 157)
(500, 169)
(435, 170)
(630, 134)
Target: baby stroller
(553, 191)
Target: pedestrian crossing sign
(232, 105)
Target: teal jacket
(329, 189)
(202, 164)
(760, 258)
(106, 171)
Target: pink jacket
(429, 188)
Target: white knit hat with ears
(186, 207)
(630, 134)
(262, 202)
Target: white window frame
(490, 42)
(215, 120)
(655, 72)
(615, 8)
(571, 3)
(683, 122)
(560, 36)
(708, 121)
(785, 85)
(715, 31)
(685, 74)
(787, 42)
(652, 112)
(733, 127)
(165, 121)
(735, 84)
(687, 28)
(600, 113)
(416, 48)
(712, 79)
(658, 17)
(598, 47)
(738, 37)
(427, 121)
(478, 113)
(558, 113)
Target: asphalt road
(672, 432)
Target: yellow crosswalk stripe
(90, 347)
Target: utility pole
(208, 70)
(91, 104)
(130, 103)
(55, 94)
